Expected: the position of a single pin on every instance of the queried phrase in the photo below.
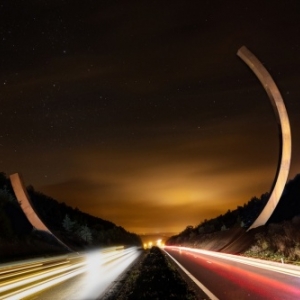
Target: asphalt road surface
(231, 277)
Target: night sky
(140, 112)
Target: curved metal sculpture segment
(284, 134)
(26, 206)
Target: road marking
(200, 285)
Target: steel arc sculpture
(285, 139)
(27, 207)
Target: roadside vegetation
(78, 230)
(278, 242)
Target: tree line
(77, 229)
(243, 216)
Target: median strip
(154, 277)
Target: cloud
(152, 182)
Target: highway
(226, 277)
(74, 276)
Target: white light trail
(27, 278)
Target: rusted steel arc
(26, 206)
(285, 134)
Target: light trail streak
(9, 270)
(28, 278)
(238, 277)
(28, 270)
(12, 284)
(97, 279)
(35, 288)
(262, 264)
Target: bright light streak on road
(291, 270)
(96, 280)
(28, 278)
(238, 277)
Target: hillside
(228, 232)
(76, 229)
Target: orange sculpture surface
(284, 136)
(25, 203)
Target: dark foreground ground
(154, 277)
